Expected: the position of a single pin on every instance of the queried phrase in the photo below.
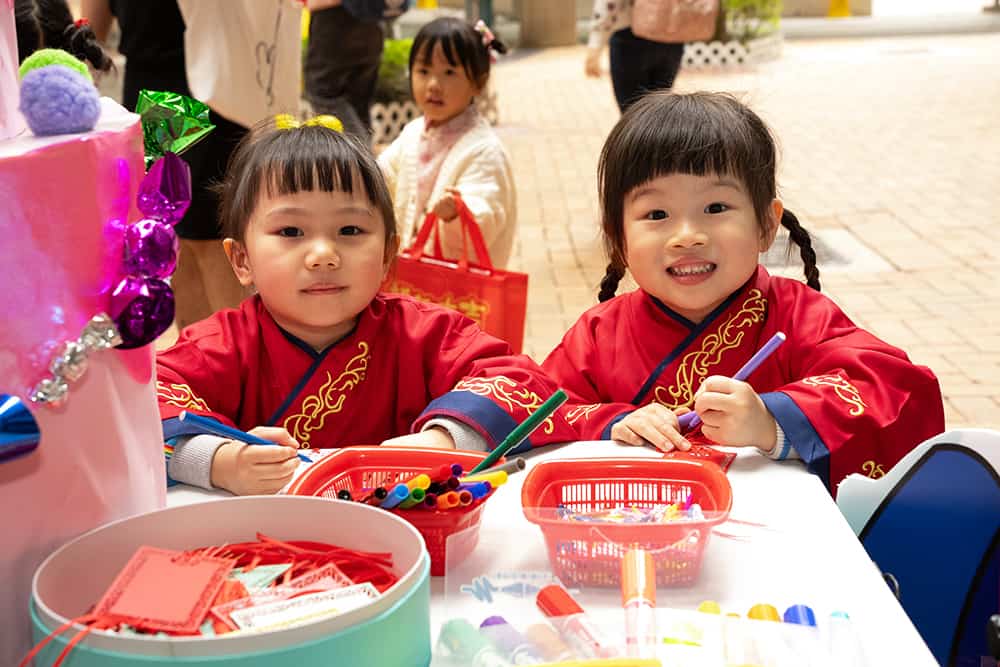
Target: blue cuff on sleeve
(480, 413)
(606, 433)
(799, 433)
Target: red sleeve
(200, 373)
(576, 366)
(858, 404)
(474, 378)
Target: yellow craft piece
(839, 9)
(427, 4)
(305, 24)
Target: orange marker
(639, 602)
(446, 501)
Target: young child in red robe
(689, 201)
(318, 357)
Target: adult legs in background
(639, 66)
(341, 67)
(203, 282)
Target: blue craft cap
(800, 614)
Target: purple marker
(512, 644)
(690, 420)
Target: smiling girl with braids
(687, 187)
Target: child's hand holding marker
(253, 469)
(732, 414)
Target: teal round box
(393, 631)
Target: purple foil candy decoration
(142, 308)
(150, 249)
(165, 192)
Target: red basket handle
(470, 232)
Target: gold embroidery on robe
(695, 366)
(473, 308)
(506, 391)
(328, 399)
(181, 396)
(581, 412)
(872, 469)
(846, 391)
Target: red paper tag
(162, 590)
(702, 452)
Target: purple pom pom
(57, 100)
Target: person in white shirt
(451, 150)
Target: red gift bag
(495, 299)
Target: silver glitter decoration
(70, 362)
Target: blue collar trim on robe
(318, 359)
(696, 330)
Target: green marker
(467, 645)
(523, 430)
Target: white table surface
(786, 543)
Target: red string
(86, 619)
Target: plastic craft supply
(498, 478)
(398, 494)
(639, 603)
(843, 641)
(415, 498)
(360, 468)
(548, 642)
(582, 553)
(632, 514)
(512, 644)
(572, 623)
(467, 645)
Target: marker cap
(554, 602)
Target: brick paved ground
(890, 143)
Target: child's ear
(238, 259)
(391, 251)
(771, 224)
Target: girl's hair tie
(485, 32)
(285, 121)
(80, 22)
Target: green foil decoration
(170, 122)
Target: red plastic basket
(357, 468)
(590, 554)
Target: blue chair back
(936, 533)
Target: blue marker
(214, 427)
(803, 635)
(399, 493)
(512, 644)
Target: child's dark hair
(698, 133)
(277, 161)
(49, 24)
(462, 45)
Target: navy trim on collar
(318, 359)
(696, 330)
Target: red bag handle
(470, 231)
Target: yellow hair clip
(285, 121)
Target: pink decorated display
(67, 200)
